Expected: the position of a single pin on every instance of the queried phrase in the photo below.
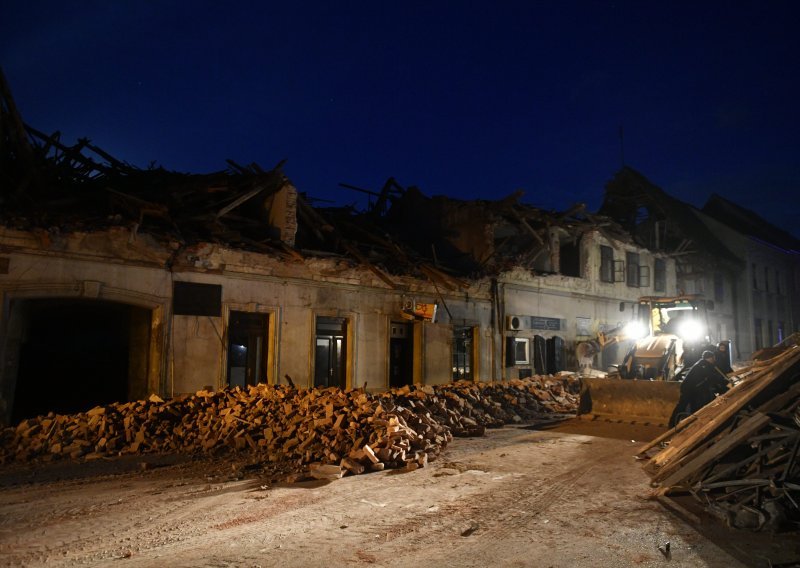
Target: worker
(723, 357)
(702, 383)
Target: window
(462, 353)
(521, 351)
(755, 277)
(770, 338)
(777, 281)
(606, 264)
(660, 276)
(780, 331)
(192, 299)
(570, 258)
(719, 287)
(644, 276)
(632, 272)
(766, 278)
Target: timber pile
(739, 456)
(334, 431)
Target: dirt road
(516, 497)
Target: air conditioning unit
(516, 322)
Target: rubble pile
(332, 430)
(739, 456)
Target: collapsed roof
(48, 184)
(661, 222)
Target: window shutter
(644, 276)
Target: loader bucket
(622, 400)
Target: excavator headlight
(691, 330)
(635, 330)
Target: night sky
(467, 99)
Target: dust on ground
(569, 494)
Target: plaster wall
(755, 295)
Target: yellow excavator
(667, 336)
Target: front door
(247, 348)
(330, 352)
(462, 353)
(401, 355)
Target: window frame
(632, 269)
(607, 266)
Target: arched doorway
(74, 354)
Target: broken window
(570, 258)
(632, 272)
(606, 264)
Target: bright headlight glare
(635, 330)
(690, 330)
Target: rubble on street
(326, 432)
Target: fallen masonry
(324, 433)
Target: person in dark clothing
(723, 357)
(702, 383)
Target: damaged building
(117, 281)
(746, 269)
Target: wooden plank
(705, 458)
(713, 416)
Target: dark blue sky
(468, 99)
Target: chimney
(282, 208)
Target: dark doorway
(330, 354)
(247, 348)
(401, 355)
(76, 354)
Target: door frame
(350, 344)
(411, 341)
(157, 368)
(270, 339)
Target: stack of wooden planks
(738, 456)
(334, 430)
